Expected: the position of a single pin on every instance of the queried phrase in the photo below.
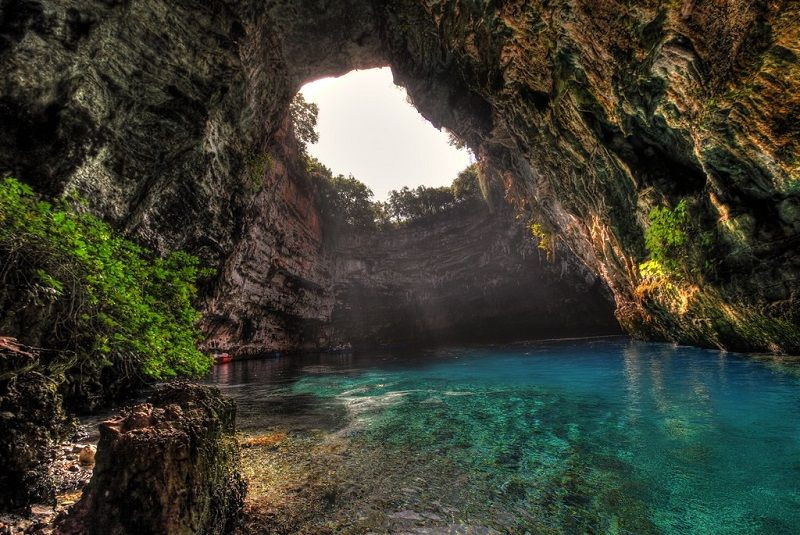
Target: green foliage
(258, 165)
(114, 304)
(545, 237)
(453, 139)
(409, 204)
(652, 269)
(667, 240)
(382, 214)
(348, 201)
(345, 201)
(304, 120)
(466, 185)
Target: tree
(344, 200)
(304, 120)
(455, 141)
(383, 214)
(410, 204)
(466, 186)
(351, 201)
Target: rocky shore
(69, 472)
(170, 465)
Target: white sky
(367, 129)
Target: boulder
(170, 466)
(86, 455)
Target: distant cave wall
(170, 117)
(467, 274)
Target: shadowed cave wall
(170, 117)
(465, 275)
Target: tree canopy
(345, 201)
(466, 186)
(409, 204)
(304, 117)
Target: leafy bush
(666, 240)
(107, 302)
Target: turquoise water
(574, 437)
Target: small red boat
(222, 358)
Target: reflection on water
(600, 436)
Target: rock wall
(170, 117)
(594, 112)
(273, 293)
(33, 421)
(467, 274)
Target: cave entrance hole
(367, 128)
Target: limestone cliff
(170, 116)
(594, 112)
(467, 274)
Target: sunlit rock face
(593, 113)
(170, 117)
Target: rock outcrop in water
(170, 117)
(169, 466)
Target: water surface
(604, 436)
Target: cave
(166, 145)
(645, 159)
(463, 271)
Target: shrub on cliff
(666, 239)
(677, 246)
(118, 313)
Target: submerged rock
(170, 466)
